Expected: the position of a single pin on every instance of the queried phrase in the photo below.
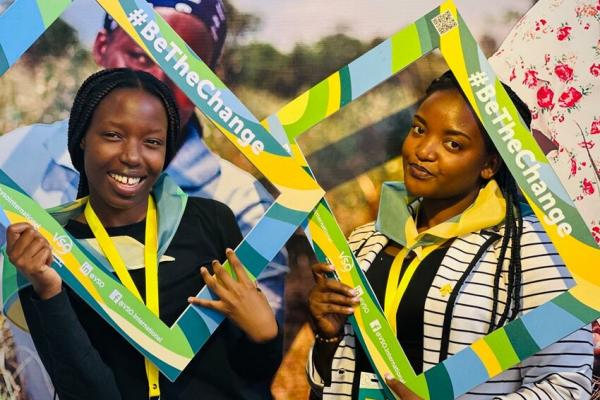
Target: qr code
(444, 22)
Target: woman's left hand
(241, 300)
(400, 389)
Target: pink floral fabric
(551, 59)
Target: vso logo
(63, 244)
(347, 263)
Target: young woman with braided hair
(122, 133)
(450, 258)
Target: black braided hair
(513, 221)
(95, 88)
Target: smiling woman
(122, 132)
(451, 259)
(128, 135)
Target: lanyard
(394, 291)
(151, 271)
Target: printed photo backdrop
(59, 61)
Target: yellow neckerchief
(487, 210)
(151, 264)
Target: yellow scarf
(396, 221)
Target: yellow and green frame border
(488, 356)
(170, 348)
(524, 337)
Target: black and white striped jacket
(561, 371)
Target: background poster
(274, 51)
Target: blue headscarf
(210, 12)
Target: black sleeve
(211, 222)
(227, 227)
(257, 361)
(74, 365)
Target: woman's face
(124, 150)
(444, 154)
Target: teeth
(126, 180)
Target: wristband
(323, 340)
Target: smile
(126, 180)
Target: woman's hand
(330, 302)
(241, 301)
(400, 389)
(31, 254)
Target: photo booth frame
(443, 28)
(301, 197)
(169, 348)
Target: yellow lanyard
(150, 262)
(394, 291)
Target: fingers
(324, 301)
(332, 303)
(331, 285)
(216, 305)
(212, 282)
(330, 296)
(37, 243)
(222, 275)
(222, 282)
(49, 258)
(24, 243)
(319, 271)
(321, 309)
(338, 299)
(238, 268)
(40, 259)
(322, 268)
(15, 234)
(17, 228)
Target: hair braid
(499, 266)
(516, 252)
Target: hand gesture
(31, 254)
(240, 300)
(330, 302)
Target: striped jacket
(561, 371)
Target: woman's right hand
(31, 254)
(330, 302)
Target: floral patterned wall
(551, 59)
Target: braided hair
(513, 221)
(95, 88)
